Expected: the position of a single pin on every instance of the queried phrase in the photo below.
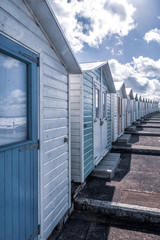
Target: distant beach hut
(118, 110)
(90, 117)
(129, 112)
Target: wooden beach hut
(129, 111)
(90, 117)
(135, 106)
(35, 63)
(121, 96)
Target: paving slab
(137, 177)
(84, 225)
(145, 140)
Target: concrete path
(84, 225)
(128, 206)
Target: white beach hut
(129, 112)
(135, 106)
(35, 62)
(121, 96)
(90, 117)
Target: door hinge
(31, 146)
(37, 232)
(36, 60)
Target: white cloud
(14, 105)
(158, 17)
(152, 35)
(91, 21)
(10, 63)
(142, 75)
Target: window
(97, 103)
(13, 102)
(18, 93)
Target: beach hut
(90, 117)
(140, 106)
(35, 62)
(129, 111)
(143, 101)
(120, 106)
(135, 106)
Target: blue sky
(124, 32)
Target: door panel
(104, 122)
(97, 127)
(18, 142)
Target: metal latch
(31, 146)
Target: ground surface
(136, 182)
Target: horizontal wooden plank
(49, 102)
(75, 126)
(75, 99)
(55, 163)
(52, 113)
(50, 61)
(75, 152)
(56, 220)
(50, 176)
(55, 123)
(75, 93)
(22, 18)
(54, 83)
(76, 165)
(54, 93)
(55, 153)
(75, 145)
(75, 158)
(52, 186)
(75, 119)
(75, 172)
(19, 31)
(75, 132)
(51, 72)
(54, 133)
(58, 211)
(75, 106)
(53, 143)
(59, 193)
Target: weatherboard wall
(81, 113)
(54, 163)
(76, 115)
(114, 116)
(88, 123)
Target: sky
(126, 33)
(13, 92)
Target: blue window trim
(13, 49)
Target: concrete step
(106, 168)
(124, 138)
(145, 133)
(131, 128)
(119, 210)
(137, 149)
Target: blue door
(18, 142)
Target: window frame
(15, 50)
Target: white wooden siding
(114, 116)
(123, 115)
(54, 186)
(76, 128)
